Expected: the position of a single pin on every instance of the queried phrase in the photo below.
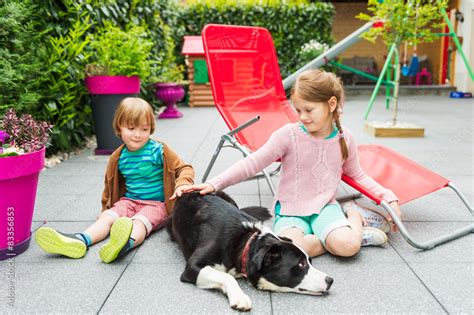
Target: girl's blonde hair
(319, 86)
(133, 111)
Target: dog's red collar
(245, 255)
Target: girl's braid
(342, 140)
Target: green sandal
(54, 242)
(119, 237)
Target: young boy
(143, 177)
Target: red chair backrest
(246, 81)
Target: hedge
(291, 25)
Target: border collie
(221, 242)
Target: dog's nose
(329, 281)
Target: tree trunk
(396, 88)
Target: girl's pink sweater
(311, 170)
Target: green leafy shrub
(167, 70)
(20, 65)
(64, 97)
(122, 52)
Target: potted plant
(169, 89)
(120, 58)
(396, 22)
(168, 78)
(22, 153)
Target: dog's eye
(302, 263)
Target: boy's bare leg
(100, 229)
(139, 232)
(309, 243)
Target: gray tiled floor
(394, 279)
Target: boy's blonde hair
(319, 86)
(133, 111)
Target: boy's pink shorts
(150, 212)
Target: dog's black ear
(268, 257)
(272, 259)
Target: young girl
(314, 153)
(142, 176)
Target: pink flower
(24, 132)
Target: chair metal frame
(437, 185)
(230, 138)
(426, 245)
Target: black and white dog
(220, 241)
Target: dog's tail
(259, 213)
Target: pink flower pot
(169, 93)
(18, 183)
(99, 85)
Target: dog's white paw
(240, 301)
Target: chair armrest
(349, 181)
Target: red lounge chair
(249, 95)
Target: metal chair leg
(428, 244)
(213, 160)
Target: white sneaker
(371, 218)
(373, 237)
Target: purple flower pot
(169, 93)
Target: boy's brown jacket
(175, 173)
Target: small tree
(411, 21)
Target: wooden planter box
(401, 130)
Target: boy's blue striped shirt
(143, 172)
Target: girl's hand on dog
(180, 190)
(202, 188)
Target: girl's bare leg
(309, 243)
(345, 241)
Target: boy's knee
(106, 218)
